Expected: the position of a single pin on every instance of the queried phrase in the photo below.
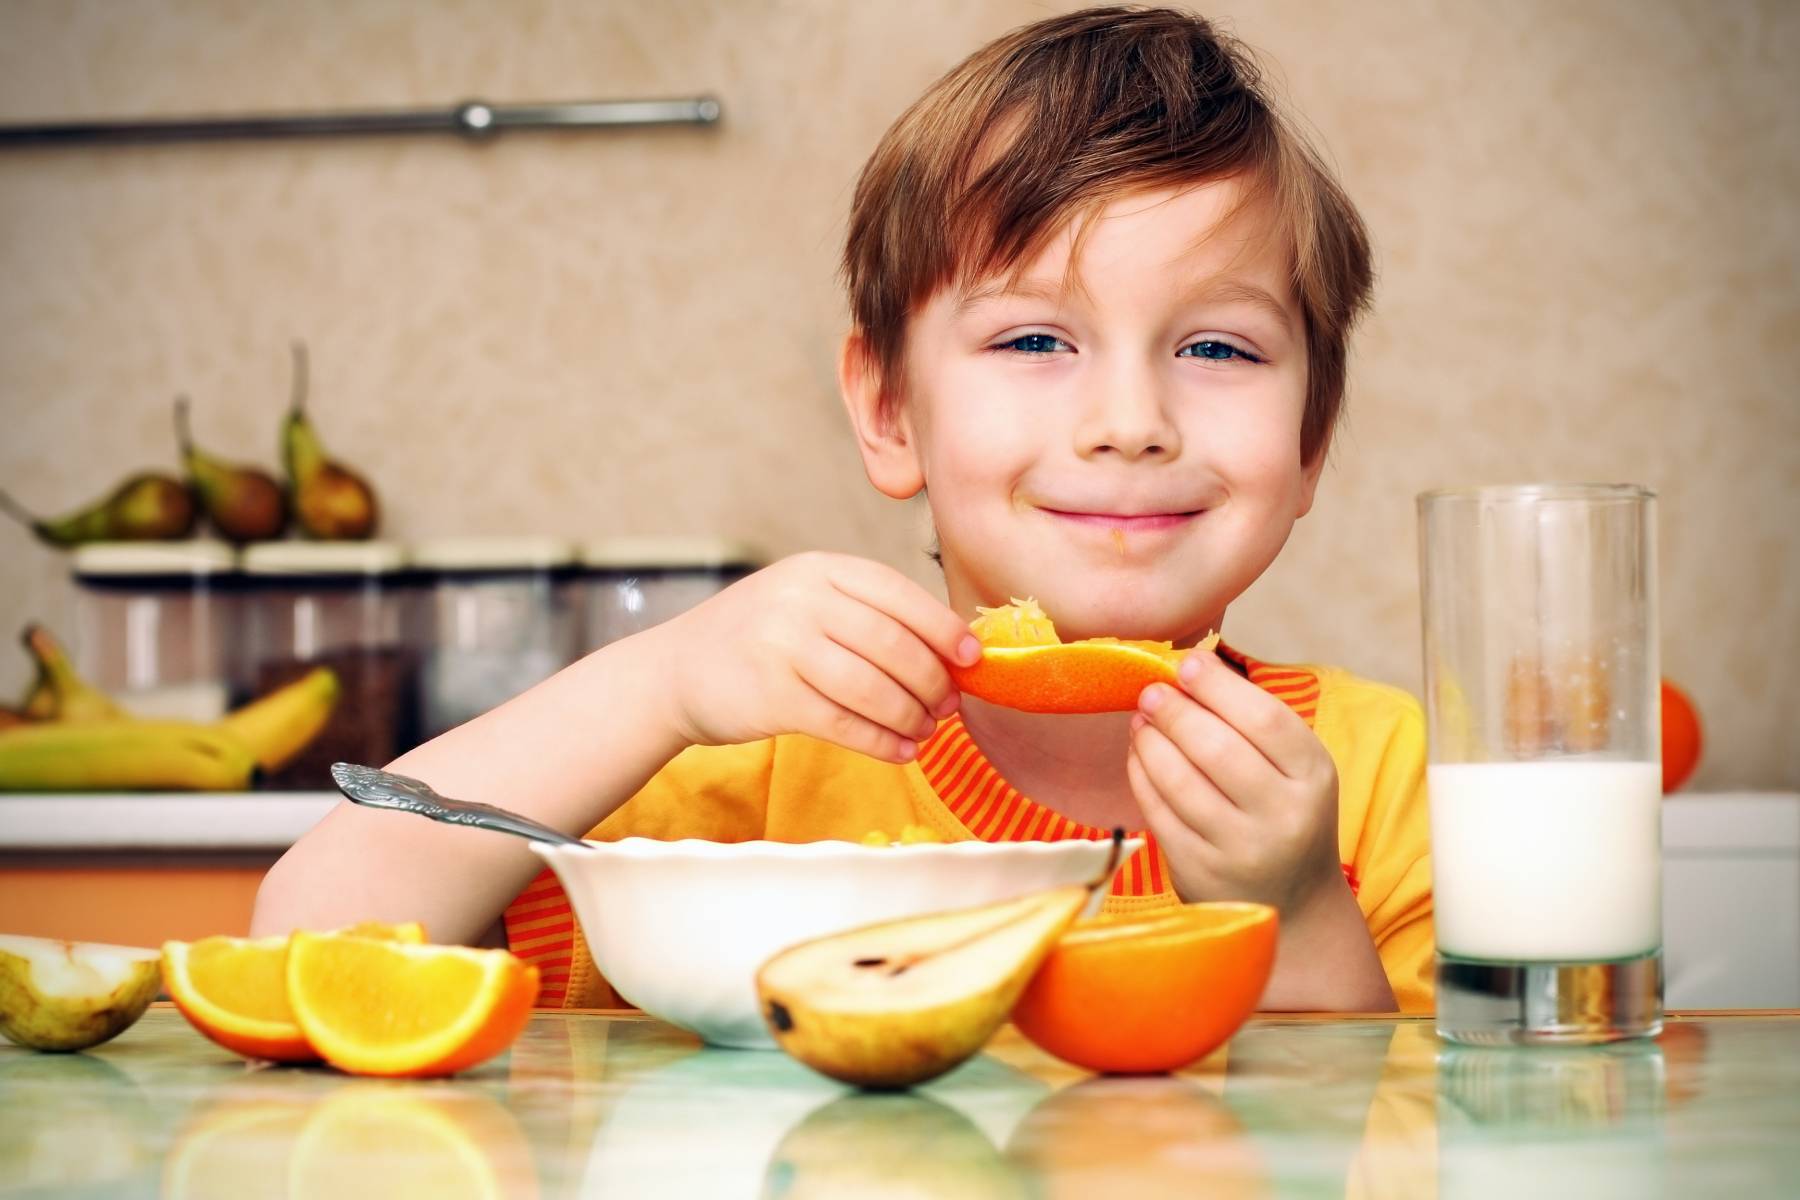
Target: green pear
(329, 500)
(897, 1003)
(57, 995)
(148, 506)
(244, 503)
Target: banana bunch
(68, 735)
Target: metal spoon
(384, 789)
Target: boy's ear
(1309, 476)
(884, 433)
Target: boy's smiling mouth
(1133, 522)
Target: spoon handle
(384, 789)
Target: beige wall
(1588, 218)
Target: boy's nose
(1128, 415)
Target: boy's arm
(840, 648)
(566, 753)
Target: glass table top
(592, 1104)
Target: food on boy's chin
(909, 835)
(328, 499)
(1150, 992)
(243, 503)
(148, 506)
(897, 1003)
(59, 995)
(234, 990)
(1025, 665)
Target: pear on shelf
(244, 503)
(148, 506)
(328, 499)
(900, 1002)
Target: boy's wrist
(639, 668)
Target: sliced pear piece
(894, 1004)
(57, 995)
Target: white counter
(139, 822)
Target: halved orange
(376, 1007)
(1025, 665)
(234, 990)
(1133, 993)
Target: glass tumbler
(1542, 701)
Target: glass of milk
(1541, 694)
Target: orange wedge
(234, 990)
(376, 1007)
(1138, 993)
(1025, 665)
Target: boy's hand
(841, 648)
(1241, 795)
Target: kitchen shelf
(138, 822)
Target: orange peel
(1026, 666)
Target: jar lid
(130, 560)
(668, 554)
(492, 554)
(324, 558)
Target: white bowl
(681, 928)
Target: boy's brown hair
(1052, 121)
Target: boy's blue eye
(1034, 343)
(1214, 352)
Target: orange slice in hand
(234, 990)
(1025, 665)
(380, 1008)
(1136, 993)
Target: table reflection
(593, 1107)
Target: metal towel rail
(471, 119)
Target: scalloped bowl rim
(644, 847)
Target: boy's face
(1125, 448)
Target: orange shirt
(795, 788)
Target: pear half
(900, 1002)
(57, 995)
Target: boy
(1100, 296)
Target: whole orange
(1139, 993)
(1681, 740)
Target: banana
(60, 689)
(279, 725)
(124, 755)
